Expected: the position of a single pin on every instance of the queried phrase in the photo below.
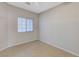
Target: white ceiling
(36, 7)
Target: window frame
(27, 18)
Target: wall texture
(60, 27)
(9, 26)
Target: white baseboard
(3, 48)
(46, 43)
(16, 44)
(22, 42)
(61, 48)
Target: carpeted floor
(34, 49)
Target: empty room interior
(39, 29)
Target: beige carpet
(34, 49)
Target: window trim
(31, 18)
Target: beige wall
(8, 28)
(60, 27)
(3, 27)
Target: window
(29, 25)
(25, 25)
(21, 24)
